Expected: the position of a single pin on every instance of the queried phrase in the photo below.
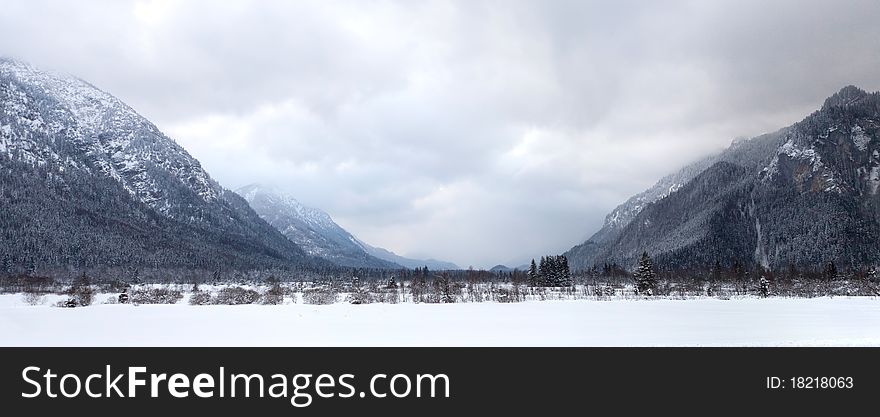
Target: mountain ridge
(827, 165)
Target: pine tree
(552, 272)
(645, 277)
(533, 274)
(543, 271)
(81, 291)
(565, 272)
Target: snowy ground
(835, 321)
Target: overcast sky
(474, 132)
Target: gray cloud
(478, 132)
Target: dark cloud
(474, 131)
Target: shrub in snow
(200, 298)
(503, 295)
(273, 296)
(320, 295)
(388, 296)
(358, 293)
(123, 298)
(34, 299)
(155, 296)
(603, 291)
(236, 296)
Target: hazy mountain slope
(319, 235)
(310, 228)
(316, 232)
(387, 255)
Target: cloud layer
(479, 132)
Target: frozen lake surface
(838, 321)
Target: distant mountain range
(804, 195)
(317, 233)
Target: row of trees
(793, 282)
(552, 271)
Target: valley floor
(839, 321)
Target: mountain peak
(846, 96)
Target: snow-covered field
(838, 321)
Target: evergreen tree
(81, 291)
(552, 271)
(645, 277)
(533, 274)
(565, 272)
(543, 271)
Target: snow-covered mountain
(310, 228)
(317, 233)
(804, 195)
(114, 139)
(88, 181)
